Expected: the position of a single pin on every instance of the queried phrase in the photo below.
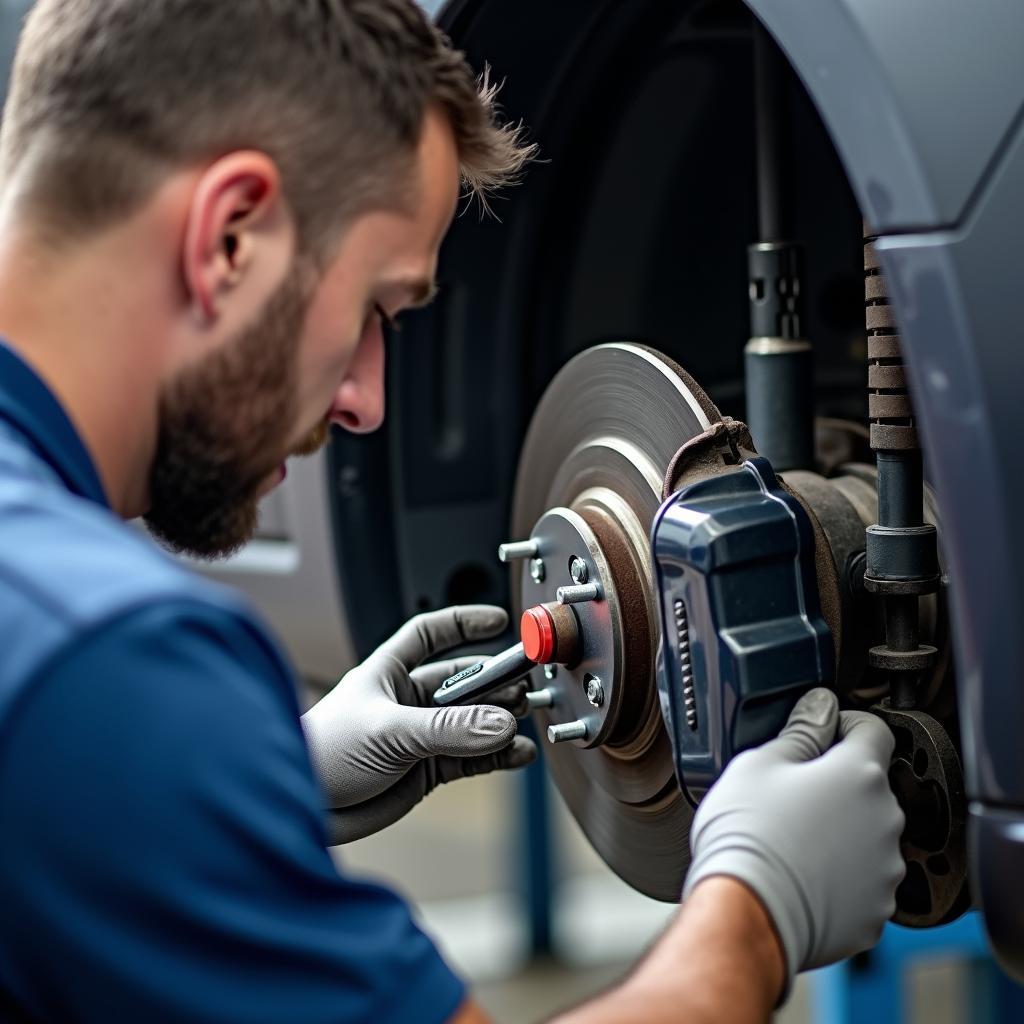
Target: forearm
(719, 960)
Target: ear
(236, 216)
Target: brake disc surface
(598, 446)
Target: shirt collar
(31, 407)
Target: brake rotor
(588, 487)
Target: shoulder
(80, 559)
(188, 695)
(69, 567)
(163, 824)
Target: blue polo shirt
(162, 853)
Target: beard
(224, 425)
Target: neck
(72, 317)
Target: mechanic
(208, 210)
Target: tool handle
(471, 683)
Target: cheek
(333, 326)
(326, 358)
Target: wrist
(747, 927)
(719, 960)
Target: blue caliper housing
(742, 631)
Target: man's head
(295, 164)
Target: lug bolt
(515, 550)
(567, 731)
(595, 691)
(540, 698)
(578, 594)
(537, 571)
(579, 570)
(550, 671)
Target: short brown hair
(108, 96)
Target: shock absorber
(778, 358)
(901, 549)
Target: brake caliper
(743, 635)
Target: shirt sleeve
(163, 855)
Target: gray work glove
(379, 745)
(813, 829)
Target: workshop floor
(452, 859)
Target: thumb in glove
(810, 731)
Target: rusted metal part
(838, 443)
(886, 376)
(894, 437)
(916, 660)
(567, 634)
(633, 728)
(874, 287)
(834, 516)
(724, 444)
(900, 588)
(696, 392)
(889, 378)
(883, 346)
(901, 548)
(889, 406)
(551, 634)
(881, 317)
(826, 564)
(927, 779)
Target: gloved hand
(379, 745)
(813, 829)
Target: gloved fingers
(518, 754)
(811, 727)
(865, 751)
(427, 678)
(433, 632)
(348, 824)
(865, 737)
(360, 820)
(468, 731)
(364, 819)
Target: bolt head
(595, 691)
(537, 571)
(579, 571)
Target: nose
(359, 403)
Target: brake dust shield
(588, 487)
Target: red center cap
(537, 631)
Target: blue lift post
(872, 989)
(536, 859)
